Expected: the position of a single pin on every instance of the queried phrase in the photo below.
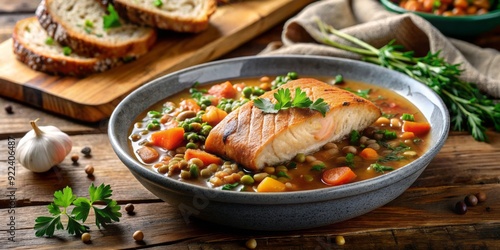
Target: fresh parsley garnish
(354, 137)
(67, 50)
(339, 79)
(49, 41)
(349, 160)
(111, 20)
(380, 168)
(157, 3)
(318, 167)
(284, 101)
(407, 117)
(230, 186)
(63, 199)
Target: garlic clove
(43, 147)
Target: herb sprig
(112, 19)
(469, 109)
(284, 100)
(63, 199)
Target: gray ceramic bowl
(278, 211)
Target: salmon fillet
(256, 139)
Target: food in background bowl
(447, 7)
(278, 210)
(460, 26)
(218, 136)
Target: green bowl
(455, 26)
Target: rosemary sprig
(470, 110)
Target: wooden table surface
(421, 218)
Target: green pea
(247, 180)
(192, 137)
(300, 157)
(194, 171)
(247, 91)
(308, 178)
(191, 145)
(154, 114)
(293, 75)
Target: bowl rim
(396, 8)
(281, 198)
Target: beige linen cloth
(369, 21)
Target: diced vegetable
(369, 154)
(170, 139)
(190, 104)
(271, 185)
(407, 135)
(148, 154)
(338, 176)
(223, 90)
(213, 115)
(205, 157)
(418, 128)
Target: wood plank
(93, 98)
(163, 227)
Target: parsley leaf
(284, 101)
(380, 168)
(46, 225)
(112, 20)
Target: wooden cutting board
(93, 98)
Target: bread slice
(79, 25)
(256, 139)
(35, 48)
(178, 15)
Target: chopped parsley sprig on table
(470, 110)
(63, 199)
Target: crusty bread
(66, 21)
(35, 48)
(256, 139)
(178, 15)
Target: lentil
(74, 158)
(340, 240)
(138, 235)
(89, 170)
(86, 237)
(251, 244)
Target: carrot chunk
(213, 115)
(170, 139)
(205, 157)
(338, 176)
(223, 90)
(190, 104)
(369, 154)
(271, 185)
(148, 154)
(418, 128)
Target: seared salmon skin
(256, 139)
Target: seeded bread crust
(60, 28)
(32, 50)
(191, 16)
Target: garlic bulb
(43, 147)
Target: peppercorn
(471, 200)
(138, 235)
(460, 207)
(86, 151)
(481, 196)
(74, 158)
(89, 170)
(86, 237)
(129, 208)
(9, 110)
